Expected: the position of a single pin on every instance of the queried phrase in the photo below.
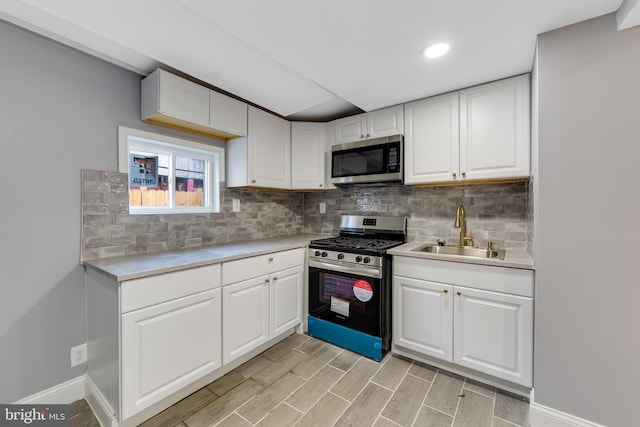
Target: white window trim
(123, 166)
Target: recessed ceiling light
(436, 50)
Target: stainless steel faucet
(461, 223)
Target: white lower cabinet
(424, 318)
(151, 341)
(245, 318)
(262, 298)
(465, 314)
(168, 346)
(493, 333)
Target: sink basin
(464, 251)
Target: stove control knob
(317, 253)
(367, 260)
(358, 258)
(324, 253)
(340, 256)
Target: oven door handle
(376, 273)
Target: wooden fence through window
(146, 197)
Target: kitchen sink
(464, 251)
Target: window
(169, 175)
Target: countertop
(136, 266)
(514, 258)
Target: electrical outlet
(323, 208)
(79, 355)
(236, 205)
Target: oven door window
(350, 300)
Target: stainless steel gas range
(350, 284)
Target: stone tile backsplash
(497, 212)
(109, 230)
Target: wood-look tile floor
(303, 381)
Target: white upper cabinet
(175, 102)
(349, 129)
(432, 139)
(495, 130)
(375, 124)
(263, 157)
(183, 99)
(227, 114)
(308, 142)
(480, 133)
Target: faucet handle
(441, 242)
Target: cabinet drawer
(139, 293)
(261, 265)
(498, 279)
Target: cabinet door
(308, 142)
(286, 300)
(423, 316)
(432, 139)
(495, 130)
(245, 317)
(227, 114)
(494, 334)
(183, 99)
(350, 129)
(269, 150)
(385, 122)
(168, 346)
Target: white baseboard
(64, 393)
(98, 404)
(544, 416)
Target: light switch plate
(236, 205)
(323, 208)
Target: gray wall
(587, 339)
(59, 112)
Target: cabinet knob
(454, 174)
(275, 278)
(459, 293)
(463, 173)
(270, 259)
(367, 136)
(361, 136)
(446, 291)
(253, 181)
(266, 280)
(320, 185)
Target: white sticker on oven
(363, 290)
(340, 306)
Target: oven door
(347, 298)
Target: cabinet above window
(179, 103)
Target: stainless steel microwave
(376, 160)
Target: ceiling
(315, 60)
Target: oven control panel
(344, 257)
